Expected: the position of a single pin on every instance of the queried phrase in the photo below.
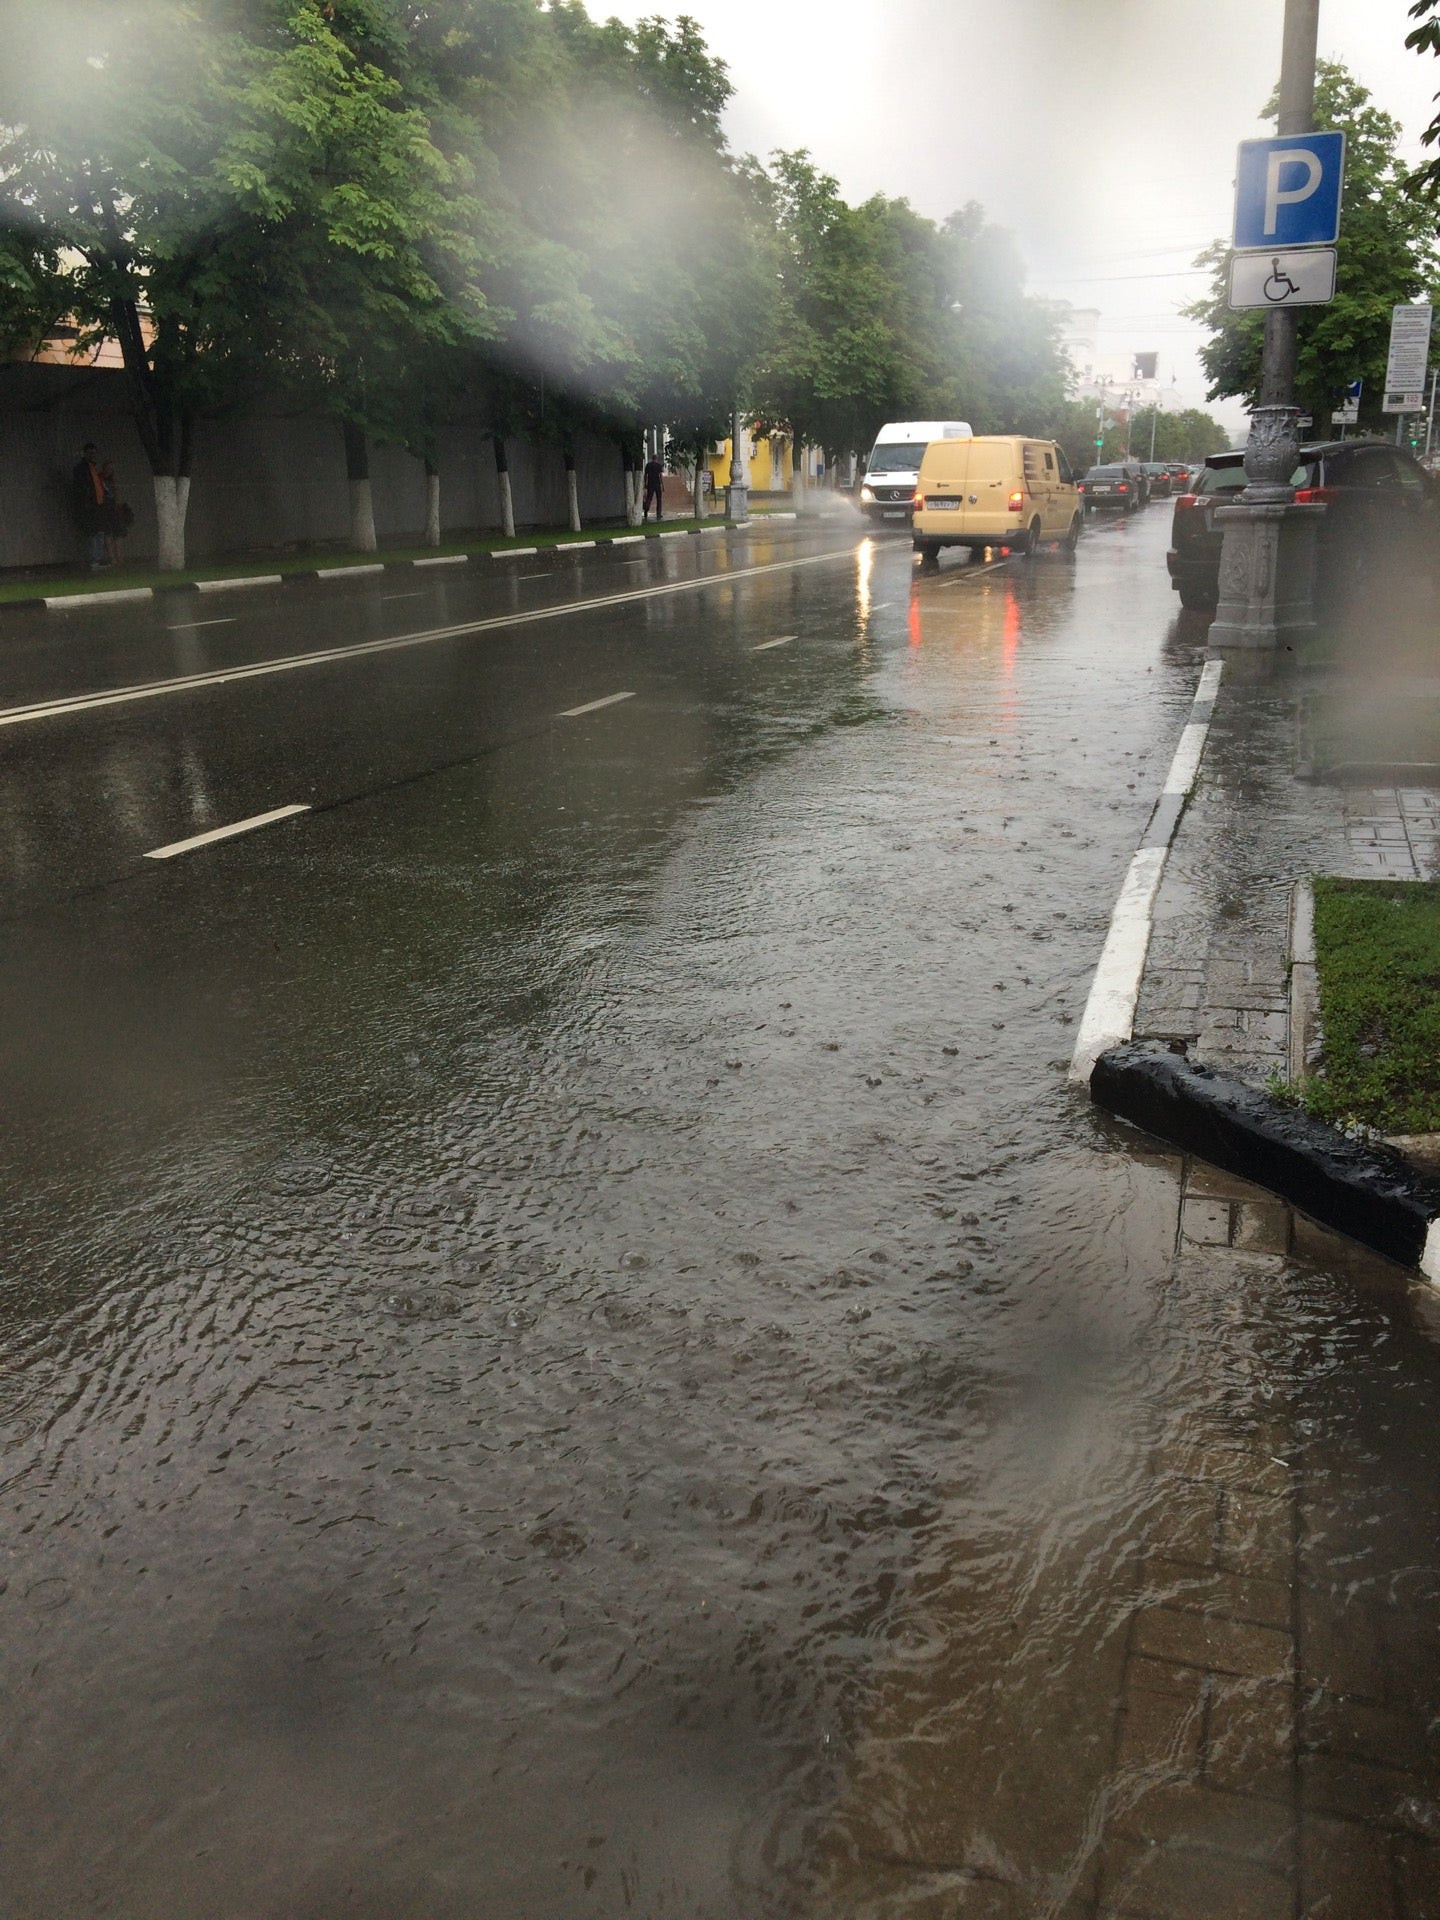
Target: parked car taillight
(1316, 496)
(1124, 487)
(1185, 501)
(1017, 503)
(1080, 486)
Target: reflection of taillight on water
(1017, 503)
(1316, 496)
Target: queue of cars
(1382, 509)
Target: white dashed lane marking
(593, 706)
(225, 833)
(765, 645)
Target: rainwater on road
(566, 1350)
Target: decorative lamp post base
(1267, 574)
(737, 505)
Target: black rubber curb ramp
(1365, 1191)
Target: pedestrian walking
(87, 503)
(116, 518)
(654, 485)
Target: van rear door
(989, 480)
(945, 475)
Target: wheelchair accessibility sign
(1298, 277)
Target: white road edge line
(783, 641)
(328, 656)
(226, 833)
(593, 706)
(189, 626)
(1109, 1017)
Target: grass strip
(1377, 951)
(113, 578)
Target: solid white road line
(1109, 1017)
(339, 573)
(783, 641)
(225, 833)
(442, 560)
(415, 593)
(60, 601)
(593, 706)
(254, 580)
(328, 656)
(189, 626)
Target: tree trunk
(172, 498)
(362, 506)
(507, 503)
(572, 492)
(634, 478)
(797, 475)
(699, 490)
(432, 504)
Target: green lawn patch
(1377, 951)
(115, 578)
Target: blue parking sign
(1287, 191)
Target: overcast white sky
(1102, 131)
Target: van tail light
(1017, 503)
(1316, 496)
(918, 501)
(1184, 502)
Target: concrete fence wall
(262, 480)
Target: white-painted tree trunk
(699, 491)
(172, 498)
(507, 506)
(432, 509)
(362, 517)
(572, 494)
(634, 479)
(797, 477)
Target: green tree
(1386, 253)
(1425, 180)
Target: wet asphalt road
(517, 1277)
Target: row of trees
(381, 207)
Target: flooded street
(566, 1349)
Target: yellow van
(999, 490)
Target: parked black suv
(1380, 504)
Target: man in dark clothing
(87, 503)
(654, 482)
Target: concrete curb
(1364, 1191)
(58, 602)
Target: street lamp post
(737, 494)
(1267, 564)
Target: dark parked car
(1111, 490)
(1380, 505)
(1158, 474)
(1179, 476)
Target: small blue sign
(1287, 191)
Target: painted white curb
(511, 553)
(442, 560)
(1109, 1017)
(63, 600)
(254, 580)
(339, 573)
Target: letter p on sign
(1287, 191)
(1277, 167)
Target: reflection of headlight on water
(867, 493)
(864, 561)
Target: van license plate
(945, 503)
